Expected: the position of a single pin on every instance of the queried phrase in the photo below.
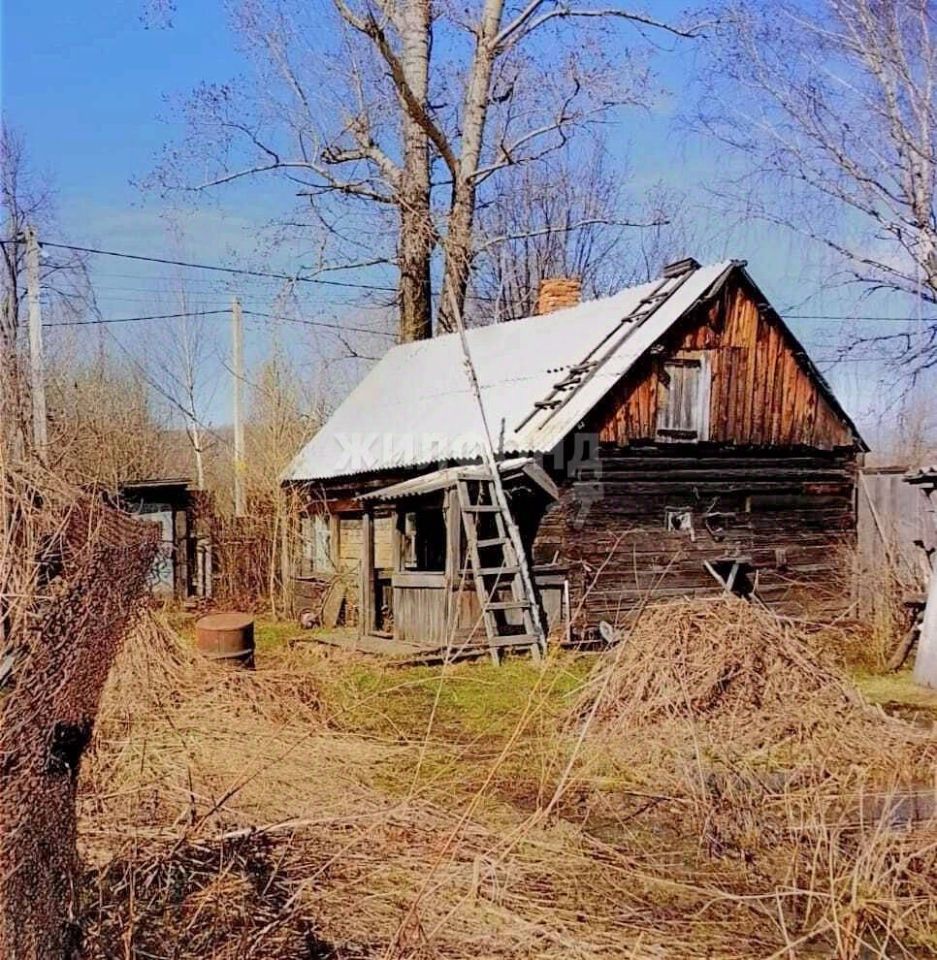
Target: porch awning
(449, 476)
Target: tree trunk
(414, 251)
(417, 238)
(64, 639)
(195, 438)
(458, 259)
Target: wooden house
(671, 440)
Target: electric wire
(239, 271)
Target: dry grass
(696, 804)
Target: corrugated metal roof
(415, 406)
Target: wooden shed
(182, 568)
(671, 440)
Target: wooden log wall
(792, 513)
(761, 391)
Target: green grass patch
(269, 634)
(897, 693)
(471, 700)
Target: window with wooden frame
(683, 399)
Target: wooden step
(507, 604)
(492, 542)
(481, 508)
(504, 571)
(514, 640)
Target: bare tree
(176, 371)
(391, 122)
(282, 418)
(567, 215)
(834, 105)
(558, 217)
(104, 428)
(27, 200)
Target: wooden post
(335, 543)
(237, 369)
(397, 542)
(925, 663)
(453, 517)
(366, 584)
(37, 384)
(180, 551)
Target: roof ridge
(530, 318)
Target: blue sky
(89, 87)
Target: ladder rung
(491, 571)
(514, 640)
(507, 604)
(491, 542)
(546, 404)
(481, 508)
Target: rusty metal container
(227, 637)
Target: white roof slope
(416, 407)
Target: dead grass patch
(265, 815)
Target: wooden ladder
(502, 579)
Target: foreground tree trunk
(72, 573)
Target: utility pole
(37, 384)
(237, 367)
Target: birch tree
(390, 119)
(832, 106)
(177, 375)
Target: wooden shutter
(683, 401)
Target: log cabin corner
(672, 440)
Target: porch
(413, 575)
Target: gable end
(729, 372)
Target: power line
(826, 316)
(268, 275)
(208, 313)
(157, 316)
(316, 323)
(216, 267)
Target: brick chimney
(558, 292)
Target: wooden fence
(893, 517)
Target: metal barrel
(227, 637)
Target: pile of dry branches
(743, 678)
(723, 659)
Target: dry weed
(229, 815)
